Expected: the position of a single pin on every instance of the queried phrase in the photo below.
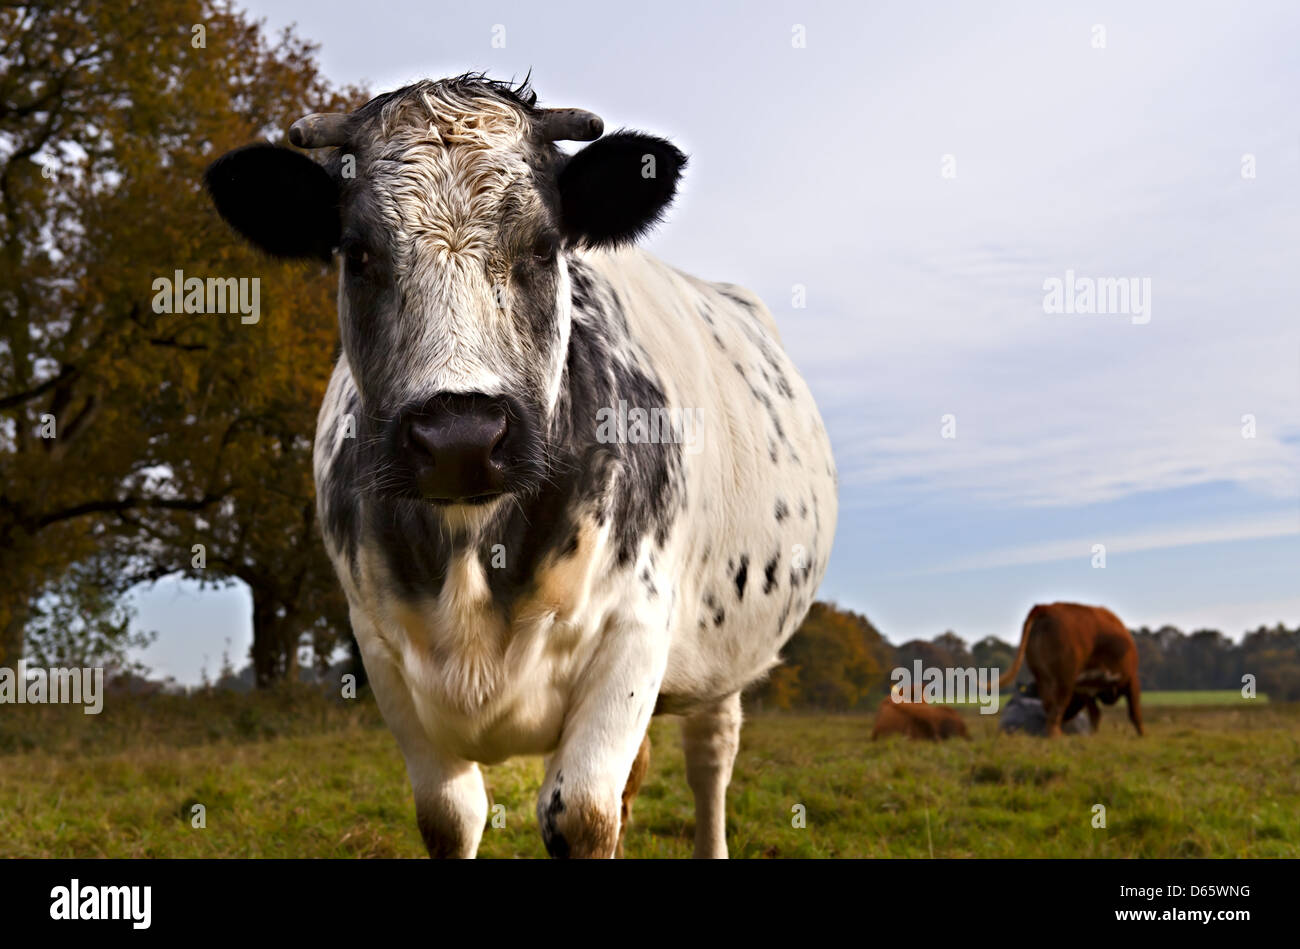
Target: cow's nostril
(446, 438)
(451, 450)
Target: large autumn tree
(123, 429)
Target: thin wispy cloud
(1283, 523)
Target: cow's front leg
(450, 804)
(581, 800)
(450, 800)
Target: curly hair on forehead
(460, 89)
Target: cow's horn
(569, 125)
(320, 129)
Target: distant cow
(1024, 713)
(1079, 655)
(917, 719)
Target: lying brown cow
(1078, 655)
(917, 719)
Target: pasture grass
(1157, 699)
(1205, 697)
(293, 774)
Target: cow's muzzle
(457, 446)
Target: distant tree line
(839, 661)
(1207, 659)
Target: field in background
(291, 774)
(1211, 697)
(1158, 699)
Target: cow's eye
(545, 247)
(356, 255)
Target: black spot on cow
(556, 845)
(742, 575)
(649, 583)
(650, 482)
(413, 543)
(776, 423)
(737, 298)
(769, 573)
(782, 511)
(764, 345)
(546, 524)
(766, 401)
(714, 607)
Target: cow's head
(452, 211)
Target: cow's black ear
(279, 199)
(617, 188)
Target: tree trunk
(13, 620)
(263, 651)
(275, 646)
(268, 654)
(16, 591)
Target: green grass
(295, 775)
(1159, 699)
(1206, 697)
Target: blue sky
(823, 166)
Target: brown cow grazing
(917, 719)
(1078, 655)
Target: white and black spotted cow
(530, 569)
